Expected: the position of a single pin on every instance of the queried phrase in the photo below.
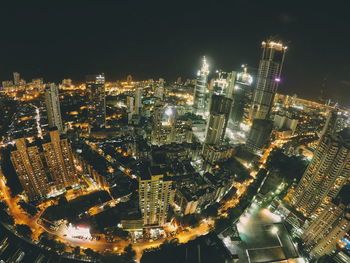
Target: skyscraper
(231, 82)
(138, 100)
(53, 107)
(159, 91)
(215, 129)
(199, 101)
(330, 126)
(155, 195)
(242, 95)
(218, 85)
(157, 123)
(30, 169)
(39, 171)
(16, 78)
(220, 109)
(95, 85)
(130, 107)
(259, 134)
(269, 76)
(59, 158)
(328, 171)
(327, 229)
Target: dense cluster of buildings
(170, 138)
(44, 167)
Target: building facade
(327, 173)
(30, 169)
(138, 101)
(155, 196)
(269, 76)
(326, 230)
(53, 108)
(159, 90)
(220, 109)
(43, 171)
(59, 158)
(242, 96)
(259, 134)
(95, 85)
(199, 101)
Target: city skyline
(151, 132)
(123, 53)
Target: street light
(274, 230)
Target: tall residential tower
(155, 196)
(327, 173)
(269, 76)
(199, 102)
(242, 95)
(53, 107)
(30, 169)
(59, 158)
(40, 171)
(327, 229)
(220, 109)
(95, 85)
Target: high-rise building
(269, 76)
(326, 174)
(159, 91)
(220, 109)
(59, 158)
(199, 101)
(327, 229)
(215, 129)
(95, 85)
(231, 82)
(330, 126)
(39, 171)
(157, 123)
(165, 126)
(53, 107)
(242, 95)
(259, 134)
(30, 169)
(16, 78)
(138, 100)
(130, 107)
(155, 195)
(218, 85)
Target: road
(119, 245)
(17, 213)
(97, 245)
(102, 245)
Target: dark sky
(60, 39)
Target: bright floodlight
(274, 230)
(169, 112)
(78, 232)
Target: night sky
(152, 39)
